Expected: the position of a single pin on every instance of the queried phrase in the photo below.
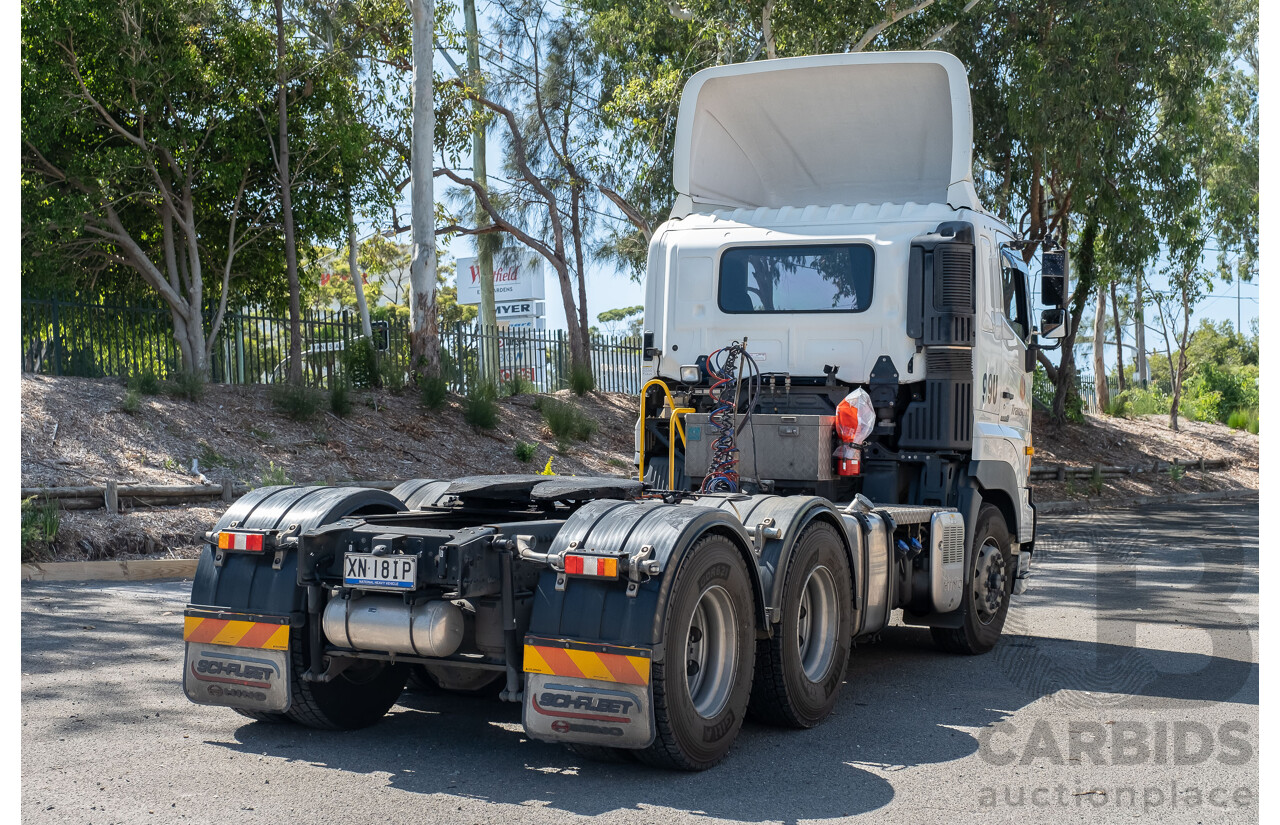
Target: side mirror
(1053, 324)
(1053, 279)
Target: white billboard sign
(520, 280)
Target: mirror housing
(1053, 324)
(1053, 279)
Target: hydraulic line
(722, 474)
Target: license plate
(380, 572)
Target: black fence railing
(96, 340)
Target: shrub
(274, 476)
(480, 407)
(1244, 420)
(40, 522)
(145, 383)
(565, 420)
(525, 452)
(581, 381)
(188, 385)
(340, 399)
(392, 378)
(1118, 405)
(360, 365)
(434, 392)
(1150, 401)
(518, 385)
(297, 402)
(132, 401)
(1176, 472)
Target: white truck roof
(867, 128)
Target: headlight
(690, 374)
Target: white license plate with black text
(380, 572)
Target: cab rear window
(825, 278)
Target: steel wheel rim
(711, 657)
(989, 581)
(817, 624)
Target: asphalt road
(1126, 685)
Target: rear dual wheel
(701, 689)
(800, 669)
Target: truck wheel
(799, 671)
(987, 587)
(356, 698)
(701, 690)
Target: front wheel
(701, 689)
(987, 588)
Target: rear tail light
(248, 542)
(605, 567)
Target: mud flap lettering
(586, 711)
(237, 677)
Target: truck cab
(827, 217)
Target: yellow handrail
(673, 427)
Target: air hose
(722, 474)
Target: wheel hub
(989, 581)
(817, 623)
(711, 653)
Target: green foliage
(1071, 486)
(1244, 420)
(1118, 405)
(480, 407)
(297, 402)
(1151, 401)
(525, 451)
(132, 401)
(434, 392)
(340, 399)
(565, 420)
(624, 319)
(40, 522)
(581, 380)
(188, 385)
(393, 380)
(360, 364)
(274, 476)
(1041, 387)
(1176, 472)
(518, 385)
(144, 382)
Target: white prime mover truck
(836, 427)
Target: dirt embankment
(76, 432)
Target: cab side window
(1013, 292)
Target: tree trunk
(1065, 388)
(424, 333)
(353, 263)
(479, 162)
(1139, 332)
(1115, 312)
(286, 204)
(582, 360)
(1100, 388)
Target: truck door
(1013, 331)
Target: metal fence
(122, 339)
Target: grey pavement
(1126, 686)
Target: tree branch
(874, 32)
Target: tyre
(987, 588)
(701, 689)
(355, 698)
(799, 671)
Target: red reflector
(253, 543)
(573, 565)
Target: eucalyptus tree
(142, 151)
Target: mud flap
(237, 677)
(586, 711)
